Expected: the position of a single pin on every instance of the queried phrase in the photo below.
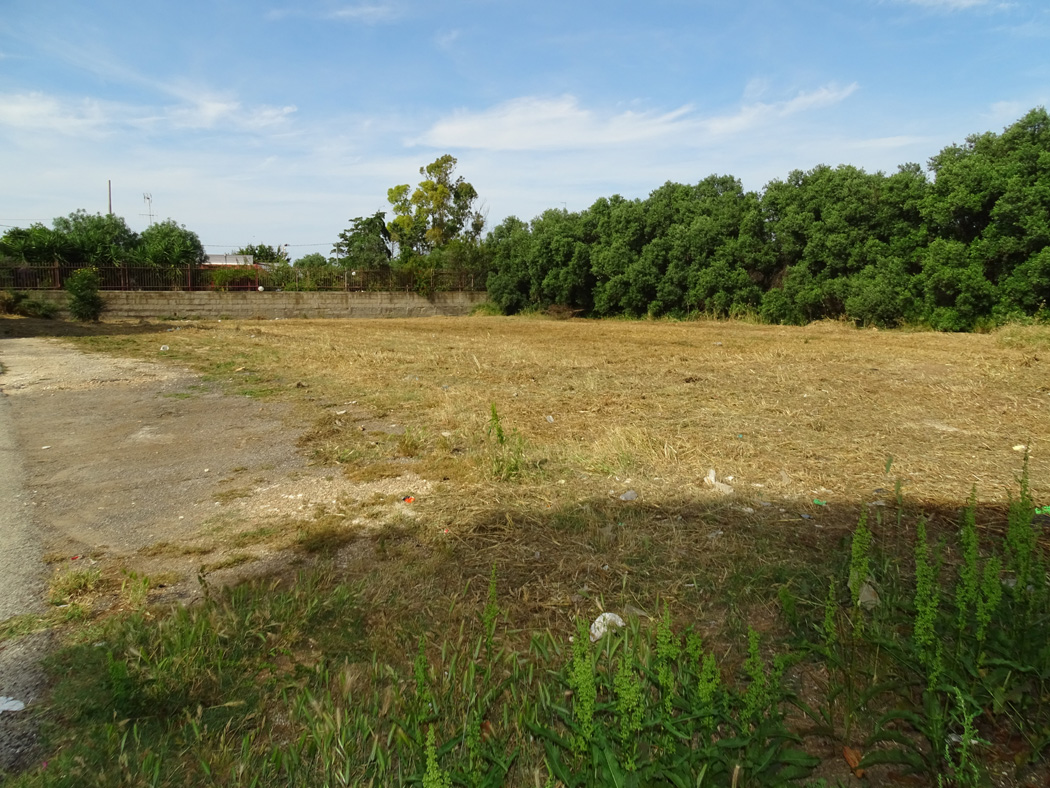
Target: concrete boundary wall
(252, 304)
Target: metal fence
(53, 277)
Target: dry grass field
(786, 417)
(708, 475)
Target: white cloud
(535, 123)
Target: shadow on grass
(21, 327)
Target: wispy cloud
(37, 112)
(949, 5)
(369, 13)
(535, 123)
(759, 113)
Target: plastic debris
(603, 623)
(45, 447)
(806, 516)
(712, 480)
(1043, 510)
(630, 495)
(715, 534)
(10, 704)
(819, 502)
(164, 348)
(867, 596)
(409, 499)
(550, 419)
(1020, 447)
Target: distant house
(237, 260)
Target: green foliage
(187, 696)
(222, 278)
(439, 210)
(365, 244)
(84, 303)
(263, 254)
(168, 244)
(95, 240)
(507, 450)
(13, 302)
(967, 249)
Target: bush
(15, 303)
(84, 301)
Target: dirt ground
(116, 457)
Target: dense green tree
(263, 254)
(314, 260)
(509, 283)
(98, 240)
(36, 245)
(365, 244)
(993, 195)
(170, 244)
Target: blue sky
(275, 122)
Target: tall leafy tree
(439, 210)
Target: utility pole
(109, 184)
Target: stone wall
(252, 304)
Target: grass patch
(70, 585)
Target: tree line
(964, 245)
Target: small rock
(630, 495)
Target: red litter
(408, 499)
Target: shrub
(85, 303)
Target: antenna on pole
(148, 199)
